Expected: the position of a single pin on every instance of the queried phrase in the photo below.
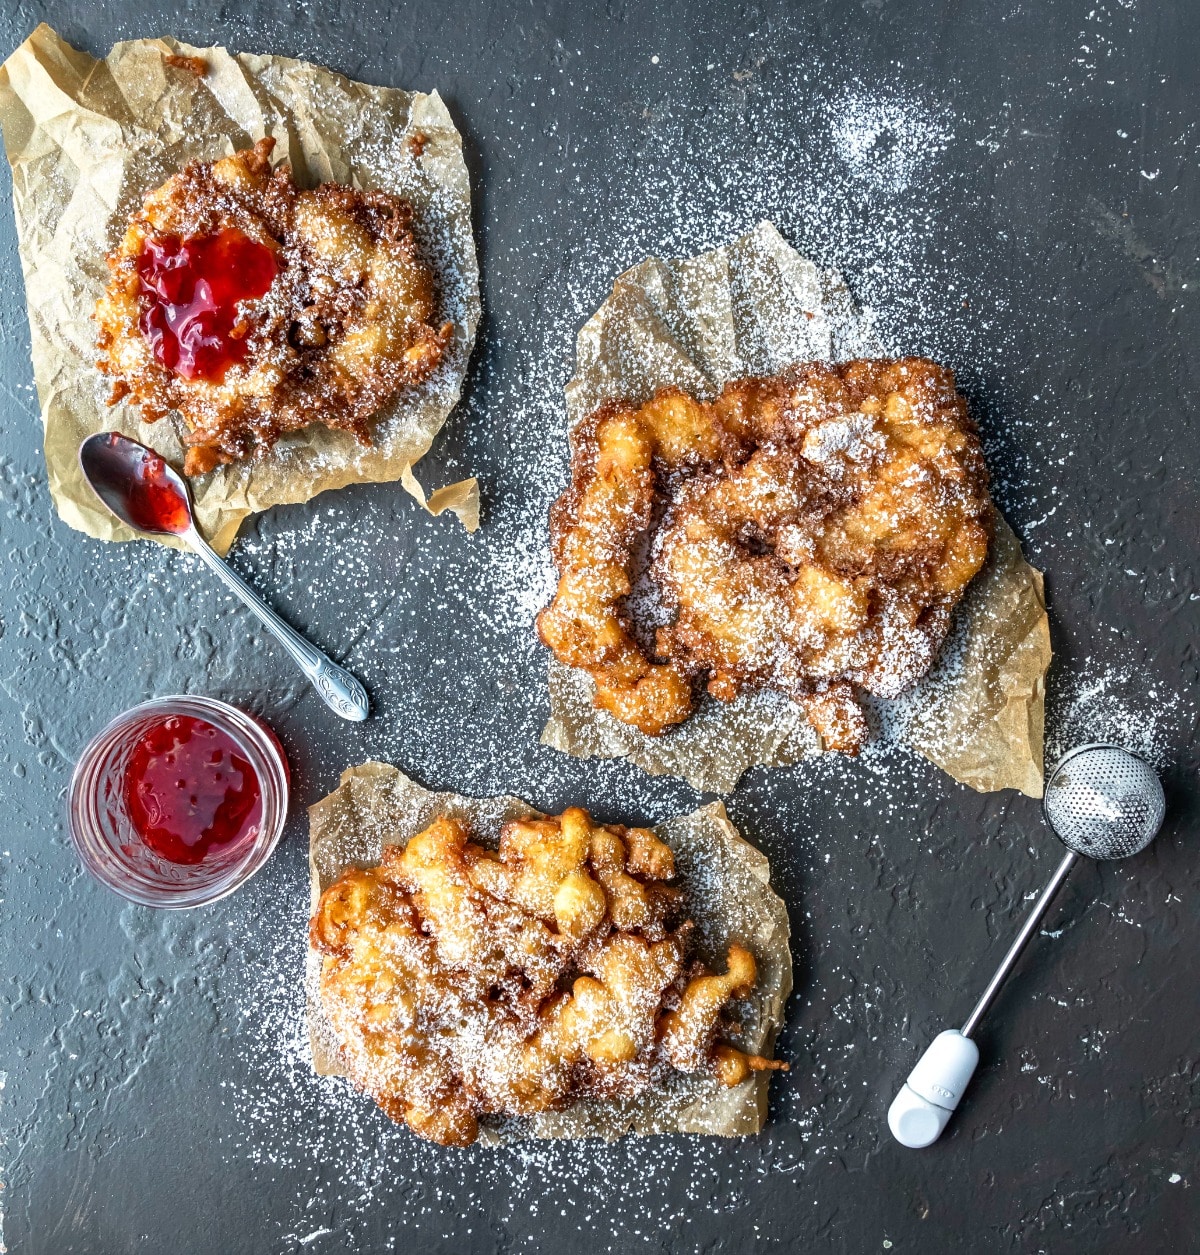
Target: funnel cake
(814, 533)
(253, 309)
(462, 982)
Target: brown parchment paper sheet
(729, 896)
(754, 307)
(87, 139)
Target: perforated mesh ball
(1104, 802)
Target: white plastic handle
(926, 1101)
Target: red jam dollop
(154, 503)
(189, 791)
(190, 289)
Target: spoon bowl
(137, 484)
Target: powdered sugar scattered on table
(887, 141)
(1115, 700)
(465, 712)
(891, 146)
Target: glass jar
(116, 853)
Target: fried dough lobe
(818, 528)
(462, 982)
(345, 325)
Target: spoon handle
(340, 691)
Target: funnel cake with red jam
(253, 309)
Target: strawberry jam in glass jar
(178, 801)
(189, 790)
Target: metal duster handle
(1028, 928)
(1102, 801)
(927, 1099)
(340, 691)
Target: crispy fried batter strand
(462, 982)
(343, 327)
(819, 528)
(193, 65)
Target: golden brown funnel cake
(819, 528)
(462, 982)
(253, 309)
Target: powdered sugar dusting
(877, 224)
(663, 177)
(852, 438)
(1119, 701)
(885, 139)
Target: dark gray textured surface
(1030, 217)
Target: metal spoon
(148, 495)
(1102, 802)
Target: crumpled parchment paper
(87, 139)
(754, 307)
(729, 896)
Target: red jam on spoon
(189, 791)
(152, 501)
(190, 289)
